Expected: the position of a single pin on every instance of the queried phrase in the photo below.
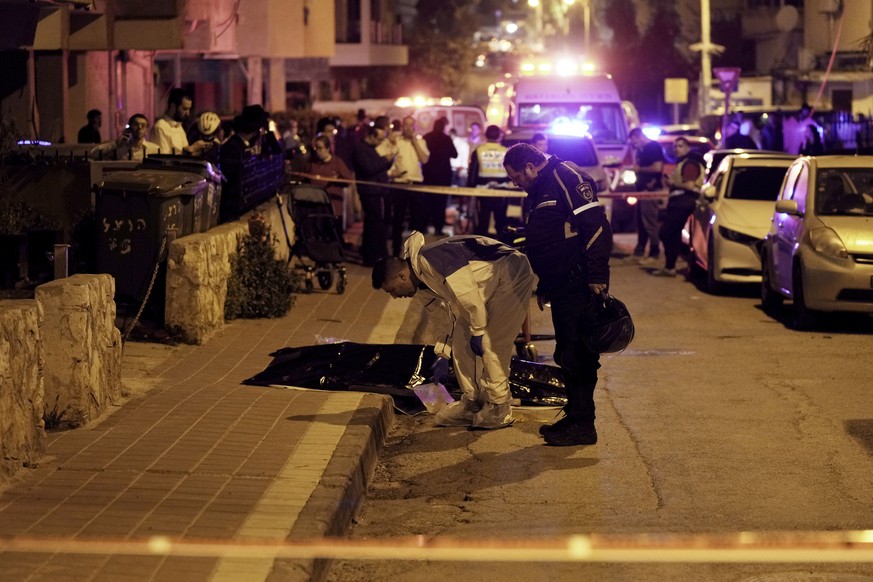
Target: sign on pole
(728, 80)
(676, 92)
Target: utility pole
(706, 48)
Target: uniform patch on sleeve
(584, 190)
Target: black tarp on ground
(389, 368)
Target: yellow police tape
(509, 191)
(734, 547)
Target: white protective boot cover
(493, 416)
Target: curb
(332, 508)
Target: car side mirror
(709, 192)
(787, 207)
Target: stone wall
(198, 268)
(82, 347)
(22, 434)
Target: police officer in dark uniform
(569, 242)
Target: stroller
(317, 238)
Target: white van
(460, 117)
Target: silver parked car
(732, 217)
(819, 251)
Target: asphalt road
(717, 419)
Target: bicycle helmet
(208, 123)
(611, 328)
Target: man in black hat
(241, 146)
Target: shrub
(259, 285)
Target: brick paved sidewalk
(201, 456)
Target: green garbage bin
(134, 212)
(203, 168)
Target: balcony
(381, 48)
(60, 28)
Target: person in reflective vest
(486, 171)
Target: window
(755, 183)
(799, 194)
(604, 121)
(788, 191)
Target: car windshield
(844, 192)
(604, 121)
(755, 183)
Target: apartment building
(64, 57)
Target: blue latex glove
(476, 345)
(440, 370)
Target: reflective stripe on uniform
(594, 238)
(588, 206)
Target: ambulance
(563, 97)
(563, 100)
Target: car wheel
(771, 300)
(804, 317)
(713, 285)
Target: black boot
(577, 427)
(572, 433)
(550, 428)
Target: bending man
(486, 287)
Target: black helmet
(611, 328)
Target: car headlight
(827, 242)
(629, 177)
(737, 237)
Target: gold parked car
(819, 251)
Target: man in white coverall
(486, 288)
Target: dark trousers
(487, 207)
(679, 208)
(402, 201)
(374, 243)
(571, 308)
(436, 204)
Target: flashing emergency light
(32, 142)
(565, 66)
(564, 126)
(422, 101)
(495, 114)
(652, 132)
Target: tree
(620, 17)
(441, 49)
(658, 57)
